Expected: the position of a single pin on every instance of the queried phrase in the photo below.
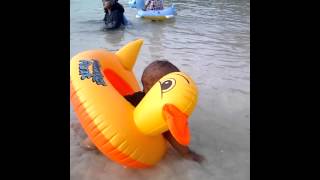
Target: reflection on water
(114, 36)
(209, 40)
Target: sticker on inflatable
(85, 73)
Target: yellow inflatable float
(128, 135)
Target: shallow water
(209, 40)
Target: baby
(152, 74)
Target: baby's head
(154, 72)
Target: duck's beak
(178, 123)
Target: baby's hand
(195, 157)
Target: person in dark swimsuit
(113, 18)
(151, 74)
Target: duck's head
(167, 106)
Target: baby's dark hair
(155, 71)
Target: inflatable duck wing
(127, 135)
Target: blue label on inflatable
(95, 74)
(84, 69)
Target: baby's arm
(183, 150)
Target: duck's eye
(167, 85)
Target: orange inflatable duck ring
(130, 136)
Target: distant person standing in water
(113, 18)
(153, 5)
